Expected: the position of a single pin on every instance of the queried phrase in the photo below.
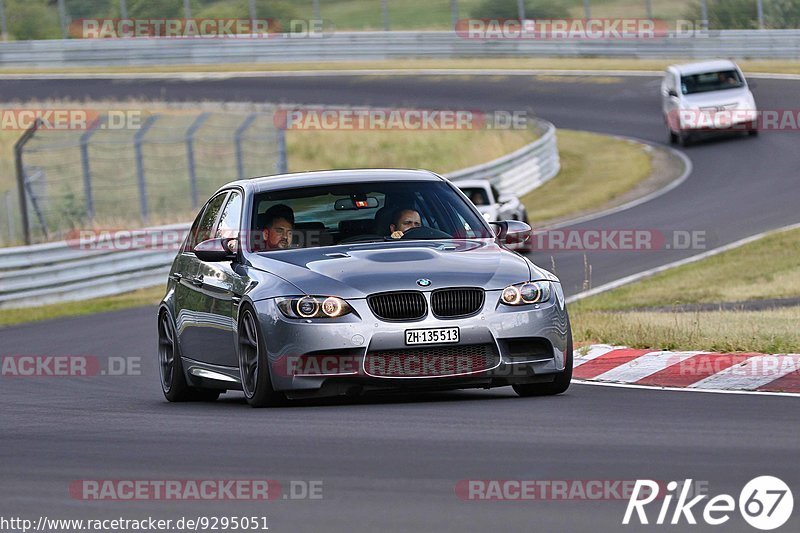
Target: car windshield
(711, 81)
(361, 212)
(477, 195)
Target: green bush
(31, 19)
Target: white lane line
(643, 366)
(752, 373)
(595, 351)
(647, 273)
(681, 389)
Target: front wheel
(559, 385)
(253, 363)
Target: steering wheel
(424, 232)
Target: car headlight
(532, 292)
(313, 307)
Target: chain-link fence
(159, 171)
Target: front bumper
(323, 356)
(723, 120)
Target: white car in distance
(706, 96)
(491, 203)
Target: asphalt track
(393, 463)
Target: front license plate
(432, 336)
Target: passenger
(278, 224)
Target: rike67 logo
(765, 503)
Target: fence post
(190, 156)
(385, 14)
(587, 9)
(3, 25)
(12, 231)
(123, 10)
(39, 174)
(521, 9)
(137, 149)
(23, 200)
(62, 17)
(282, 165)
(87, 174)
(760, 7)
(315, 10)
(252, 9)
(704, 14)
(237, 142)
(648, 8)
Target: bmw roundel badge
(423, 282)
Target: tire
(673, 137)
(753, 133)
(253, 365)
(684, 138)
(558, 386)
(170, 366)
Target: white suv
(706, 96)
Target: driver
(403, 220)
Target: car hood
(355, 271)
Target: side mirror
(216, 250)
(513, 233)
(672, 93)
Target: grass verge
(737, 275)
(771, 331)
(150, 296)
(440, 151)
(595, 169)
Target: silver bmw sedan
(351, 281)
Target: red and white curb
(701, 371)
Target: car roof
(699, 67)
(331, 177)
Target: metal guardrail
(375, 46)
(68, 271)
(523, 170)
